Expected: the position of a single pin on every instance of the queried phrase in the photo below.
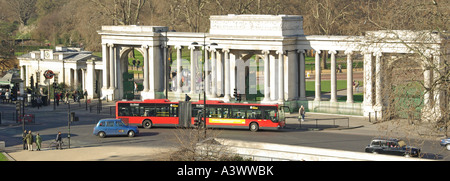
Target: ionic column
(438, 94)
(106, 70)
(273, 77)
(318, 76)
(83, 79)
(227, 74)
(349, 76)
(302, 80)
(291, 80)
(333, 76)
(266, 75)
(280, 76)
(193, 69)
(368, 91)
(23, 76)
(213, 73)
(220, 72)
(179, 63)
(207, 79)
(378, 79)
(112, 75)
(75, 81)
(146, 69)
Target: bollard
(376, 121)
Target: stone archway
(403, 91)
(126, 87)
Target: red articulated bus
(163, 113)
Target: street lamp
(203, 77)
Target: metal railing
(326, 119)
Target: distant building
(74, 67)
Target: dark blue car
(110, 127)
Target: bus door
(185, 114)
(281, 116)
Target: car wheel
(101, 134)
(131, 133)
(448, 147)
(147, 124)
(254, 127)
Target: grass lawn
(356, 98)
(326, 86)
(3, 157)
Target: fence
(326, 119)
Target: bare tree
(24, 10)
(416, 86)
(121, 12)
(194, 145)
(327, 18)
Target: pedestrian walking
(58, 140)
(301, 113)
(38, 142)
(57, 97)
(354, 85)
(357, 86)
(39, 101)
(29, 139)
(24, 140)
(85, 94)
(67, 97)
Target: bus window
(255, 114)
(225, 112)
(238, 113)
(134, 111)
(173, 112)
(123, 109)
(270, 114)
(147, 110)
(214, 112)
(195, 111)
(162, 111)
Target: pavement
(356, 125)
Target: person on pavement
(58, 140)
(38, 142)
(29, 139)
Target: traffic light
(198, 119)
(235, 94)
(196, 122)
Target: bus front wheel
(147, 124)
(254, 127)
